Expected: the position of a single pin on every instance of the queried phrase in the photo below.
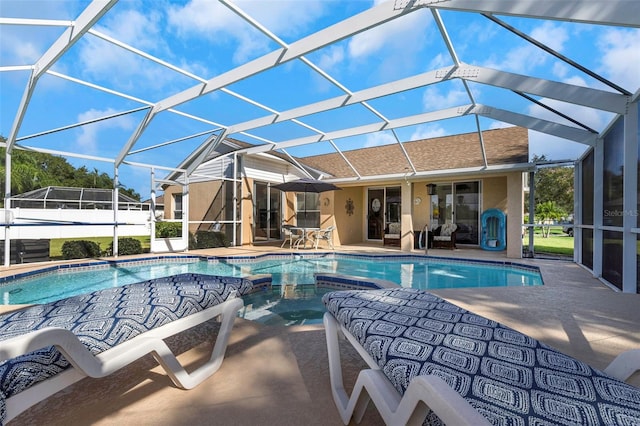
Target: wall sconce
(431, 189)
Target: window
(612, 257)
(393, 205)
(308, 209)
(613, 176)
(177, 206)
(587, 189)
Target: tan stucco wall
(349, 227)
(502, 192)
(505, 193)
(494, 193)
(246, 208)
(168, 200)
(201, 195)
(515, 208)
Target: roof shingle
(502, 146)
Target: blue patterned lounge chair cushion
(509, 377)
(106, 318)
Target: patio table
(306, 234)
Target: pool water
(288, 305)
(411, 271)
(294, 298)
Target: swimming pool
(414, 271)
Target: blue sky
(205, 39)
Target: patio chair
(391, 235)
(432, 361)
(290, 235)
(445, 236)
(45, 348)
(324, 235)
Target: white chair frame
(85, 364)
(424, 392)
(324, 234)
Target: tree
(554, 184)
(33, 170)
(546, 212)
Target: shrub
(192, 241)
(210, 239)
(127, 246)
(80, 249)
(168, 229)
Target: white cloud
(219, 24)
(124, 70)
(19, 51)
(552, 35)
(332, 56)
(526, 56)
(440, 61)
(560, 70)
(379, 138)
(576, 81)
(554, 148)
(499, 125)
(587, 116)
(88, 138)
(433, 99)
(400, 36)
(620, 57)
(427, 131)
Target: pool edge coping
(247, 258)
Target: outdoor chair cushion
(506, 376)
(394, 229)
(106, 318)
(447, 229)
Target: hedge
(168, 229)
(80, 249)
(211, 239)
(127, 246)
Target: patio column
(630, 200)
(406, 220)
(515, 204)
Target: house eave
(437, 174)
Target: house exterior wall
(168, 200)
(514, 211)
(205, 203)
(246, 209)
(499, 191)
(349, 228)
(494, 193)
(203, 199)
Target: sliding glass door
(375, 214)
(267, 214)
(467, 211)
(458, 202)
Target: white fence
(70, 223)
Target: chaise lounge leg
(179, 376)
(624, 365)
(424, 392)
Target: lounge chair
(45, 348)
(323, 235)
(445, 236)
(392, 234)
(432, 360)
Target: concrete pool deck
(279, 375)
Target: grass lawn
(55, 246)
(557, 243)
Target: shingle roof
(502, 146)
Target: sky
(204, 39)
